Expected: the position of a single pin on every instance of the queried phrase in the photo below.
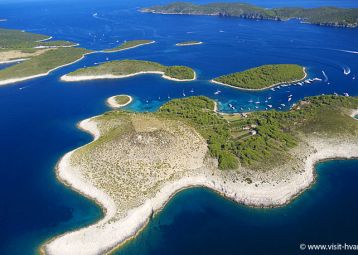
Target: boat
(269, 98)
(289, 99)
(192, 91)
(346, 94)
(283, 105)
(257, 102)
(269, 106)
(217, 92)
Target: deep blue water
(199, 221)
(38, 117)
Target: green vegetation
(262, 139)
(180, 72)
(263, 76)
(128, 67)
(330, 16)
(16, 39)
(19, 40)
(122, 99)
(15, 44)
(129, 44)
(42, 63)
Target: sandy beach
(269, 87)
(113, 103)
(110, 232)
(68, 78)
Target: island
(138, 161)
(325, 16)
(34, 55)
(128, 68)
(188, 43)
(129, 45)
(263, 77)
(119, 101)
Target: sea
(38, 125)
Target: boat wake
(325, 76)
(346, 70)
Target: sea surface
(38, 124)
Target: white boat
(257, 102)
(217, 92)
(269, 105)
(283, 105)
(192, 91)
(346, 94)
(289, 99)
(269, 98)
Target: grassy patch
(127, 67)
(129, 44)
(263, 76)
(42, 63)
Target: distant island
(263, 77)
(129, 45)
(189, 43)
(35, 54)
(119, 101)
(138, 161)
(325, 16)
(127, 68)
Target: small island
(35, 54)
(324, 16)
(129, 45)
(128, 68)
(189, 43)
(138, 161)
(263, 77)
(119, 101)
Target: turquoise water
(38, 120)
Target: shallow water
(38, 117)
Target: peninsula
(35, 54)
(325, 16)
(128, 68)
(263, 77)
(119, 101)
(129, 45)
(138, 161)
(189, 43)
